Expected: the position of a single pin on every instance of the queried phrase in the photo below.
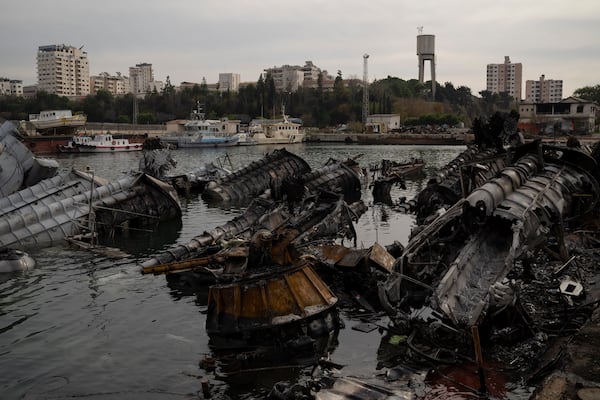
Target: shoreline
(392, 138)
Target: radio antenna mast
(365, 110)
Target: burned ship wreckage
(42, 205)
(498, 278)
(262, 288)
(501, 271)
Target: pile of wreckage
(41, 205)
(496, 290)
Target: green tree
(591, 93)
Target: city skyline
(188, 41)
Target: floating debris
(12, 260)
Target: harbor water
(82, 325)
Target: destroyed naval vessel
(42, 206)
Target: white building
(11, 87)
(63, 70)
(569, 115)
(291, 77)
(383, 123)
(229, 82)
(115, 84)
(543, 91)
(141, 78)
(505, 78)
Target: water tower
(426, 52)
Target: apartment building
(544, 90)
(229, 82)
(291, 77)
(141, 78)
(11, 87)
(63, 70)
(287, 77)
(505, 78)
(115, 84)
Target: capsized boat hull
(47, 213)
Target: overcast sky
(191, 39)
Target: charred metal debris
(498, 276)
(41, 205)
(509, 270)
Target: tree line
(316, 107)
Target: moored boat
(103, 143)
(207, 140)
(201, 132)
(279, 131)
(56, 118)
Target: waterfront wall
(392, 138)
(93, 128)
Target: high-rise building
(544, 90)
(505, 78)
(63, 70)
(229, 82)
(141, 78)
(117, 85)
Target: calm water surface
(81, 325)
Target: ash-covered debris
(496, 283)
(506, 273)
(469, 170)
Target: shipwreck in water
(42, 206)
(330, 194)
(501, 266)
(476, 242)
(498, 276)
(497, 287)
(75, 202)
(264, 293)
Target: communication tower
(426, 52)
(365, 108)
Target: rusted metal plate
(281, 296)
(380, 256)
(334, 253)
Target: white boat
(57, 118)
(281, 131)
(207, 140)
(103, 143)
(200, 132)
